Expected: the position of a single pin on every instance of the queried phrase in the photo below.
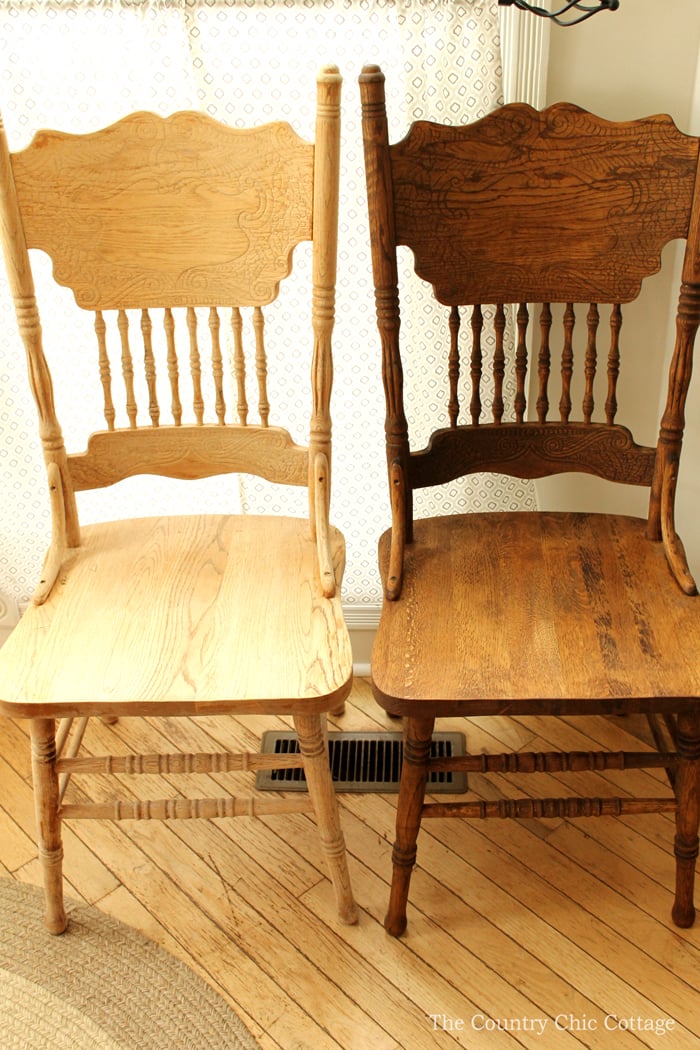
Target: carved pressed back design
(524, 206)
(153, 223)
(155, 212)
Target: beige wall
(639, 60)
(631, 62)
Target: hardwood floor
(535, 934)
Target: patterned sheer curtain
(78, 65)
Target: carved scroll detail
(516, 171)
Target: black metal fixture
(570, 14)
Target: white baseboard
(362, 621)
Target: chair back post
(325, 250)
(663, 490)
(381, 218)
(14, 246)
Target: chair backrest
(177, 232)
(526, 207)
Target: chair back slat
(521, 361)
(477, 326)
(239, 365)
(499, 362)
(195, 367)
(543, 362)
(105, 370)
(127, 368)
(173, 367)
(261, 366)
(567, 363)
(613, 364)
(150, 367)
(591, 364)
(217, 365)
(453, 367)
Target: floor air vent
(361, 762)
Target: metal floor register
(362, 762)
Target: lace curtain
(78, 66)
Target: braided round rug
(100, 986)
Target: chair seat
(187, 615)
(592, 619)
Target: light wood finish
(507, 614)
(209, 622)
(149, 221)
(146, 253)
(510, 920)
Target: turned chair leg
(48, 821)
(687, 787)
(313, 747)
(417, 739)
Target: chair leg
(312, 744)
(48, 821)
(417, 738)
(687, 788)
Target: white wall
(639, 60)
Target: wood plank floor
(515, 929)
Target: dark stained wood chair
(177, 233)
(539, 613)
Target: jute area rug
(100, 986)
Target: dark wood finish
(536, 613)
(512, 221)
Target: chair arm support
(321, 502)
(397, 481)
(56, 552)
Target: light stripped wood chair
(184, 228)
(536, 613)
